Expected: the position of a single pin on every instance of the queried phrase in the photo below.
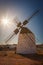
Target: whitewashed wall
(26, 44)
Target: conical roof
(25, 30)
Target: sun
(5, 21)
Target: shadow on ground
(37, 57)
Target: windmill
(26, 41)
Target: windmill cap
(25, 30)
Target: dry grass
(10, 58)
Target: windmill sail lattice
(20, 25)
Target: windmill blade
(33, 14)
(27, 21)
(9, 37)
(16, 20)
(15, 32)
(18, 23)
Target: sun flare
(5, 21)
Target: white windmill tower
(26, 41)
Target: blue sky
(24, 9)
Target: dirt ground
(10, 58)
